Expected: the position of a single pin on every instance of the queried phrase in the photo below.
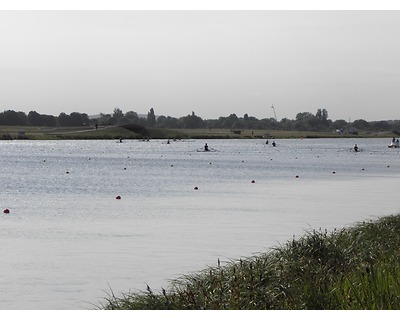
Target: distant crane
(273, 108)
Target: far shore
(115, 132)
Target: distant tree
(161, 122)
(192, 121)
(217, 123)
(323, 123)
(306, 121)
(322, 115)
(303, 116)
(151, 118)
(380, 126)
(287, 124)
(268, 124)
(396, 126)
(49, 120)
(2, 119)
(77, 119)
(174, 123)
(169, 122)
(10, 117)
(64, 119)
(339, 124)
(117, 115)
(123, 120)
(361, 124)
(132, 116)
(105, 119)
(230, 122)
(35, 119)
(22, 118)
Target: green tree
(303, 116)
(64, 119)
(132, 117)
(361, 124)
(118, 114)
(49, 120)
(339, 124)
(78, 119)
(381, 125)
(322, 115)
(10, 117)
(35, 119)
(230, 122)
(105, 119)
(192, 121)
(151, 118)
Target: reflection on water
(68, 239)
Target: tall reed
(351, 268)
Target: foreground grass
(352, 268)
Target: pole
(273, 108)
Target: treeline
(13, 118)
(304, 121)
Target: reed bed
(351, 268)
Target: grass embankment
(113, 132)
(351, 268)
(59, 133)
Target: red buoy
(118, 197)
(6, 211)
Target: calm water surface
(68, 240)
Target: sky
(210, 62)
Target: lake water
(67, 240)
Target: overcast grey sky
(211, 62)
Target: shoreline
(115, 132)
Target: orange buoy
(6, 211)
(118, 197)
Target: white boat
(394, 144)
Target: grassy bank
(112, 132)
(351, 268)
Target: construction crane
(273, 108)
